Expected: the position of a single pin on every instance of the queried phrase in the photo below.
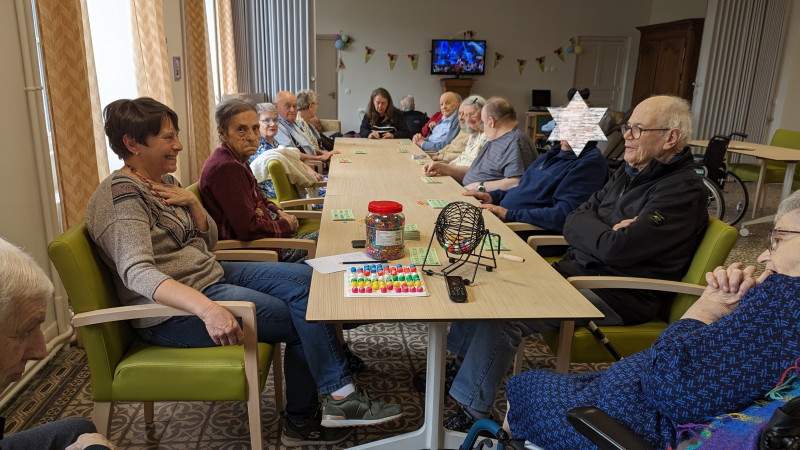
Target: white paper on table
(333, 263)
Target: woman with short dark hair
(156, 238)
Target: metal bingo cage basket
(460, 231)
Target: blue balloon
(339, 44)
(570, 49)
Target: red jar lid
(385, 207)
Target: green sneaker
(312, 433)
(357, 409)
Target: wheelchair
(727, 195)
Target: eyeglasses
(774, 239)
(268, 121)
(636, 131)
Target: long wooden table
(764, 153)
(512, 291)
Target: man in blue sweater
(552, 187)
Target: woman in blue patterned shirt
(728, 350)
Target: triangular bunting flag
(368, 54)
(414, 60)
(392, 60)
(497, 58)
(521, 65)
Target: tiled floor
(393, 353)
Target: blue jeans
(313, 355)
(488, 349)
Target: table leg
(564, 345)
(788, 179)
(432, 435)
(762, 173)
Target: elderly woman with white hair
(472, 107)
(307, 106)
(24, 290)
(727, 351)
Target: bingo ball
(578, 49)
(570, 48)
(339, 44)
(345, 38)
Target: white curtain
(738, 64)
(274, 42)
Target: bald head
(666, 125)
(286, 103)
(448, 103)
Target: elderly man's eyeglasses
(636, 131)
(775, 238)
(268, 121)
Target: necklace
(187, 226)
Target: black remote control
(456, 289)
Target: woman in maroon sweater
(230, 191)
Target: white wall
(523, 29)
(671, 10)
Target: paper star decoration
(577, 124)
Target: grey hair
(678, 114)
(479, 103)
(21, 279)
(791, 203)
(261, 108)
(304, 99)
(407, 103)
(456, 95)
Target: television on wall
(457, 57)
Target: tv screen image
(458, 57)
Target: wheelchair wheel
(716, 204)
(734, 193)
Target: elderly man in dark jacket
(646, 222)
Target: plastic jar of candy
(385, 225)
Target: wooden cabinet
(668, 55)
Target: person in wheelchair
(727, 351)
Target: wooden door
(326, 80)
(601, 68)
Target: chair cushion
(152, 373)
(749, 172)
(626, 339)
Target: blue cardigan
(553, 186)
(692, 373)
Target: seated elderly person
(156, 238)
(24, 291)
(504, 158)
(304, 175)
(382, 120)
(415, 120)
(552, 187)
(727, 351)
(456, 147)
(307, 105)
(292, 130)
(645, 222)
(472, 107)
(230, 191)
(447, 128)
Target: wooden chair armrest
(247, 255)
(320, 184)
(245, 310)
(522, 226)
(261, 245)
(590, 282)
(317, 165)
(538, 241)
(237, 308)
(304, 214)
(302, 202)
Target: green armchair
(125, 368)
(291, 201)
(713, 250)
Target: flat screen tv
(457, 57)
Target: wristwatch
(481, 187)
